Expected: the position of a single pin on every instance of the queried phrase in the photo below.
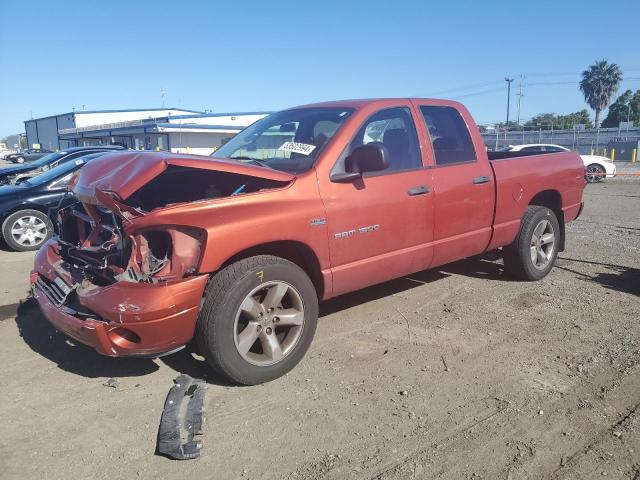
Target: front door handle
(419, 190)
(480, 180)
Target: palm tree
(599, 82)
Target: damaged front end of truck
(122, 272)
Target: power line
(468, 87)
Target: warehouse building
(170, 129)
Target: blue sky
(258, 55)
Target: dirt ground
(456, 373)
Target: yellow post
(633, 155)
(604, 152)
(592, 151)
(613, 154)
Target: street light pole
(508, 80)
(626, 137)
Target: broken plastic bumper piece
(181, 422)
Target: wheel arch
(295, 251)
(16, 208)
(552, 199)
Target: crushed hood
(125, 173)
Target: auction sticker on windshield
(296, 147)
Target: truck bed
(519, 176)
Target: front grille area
(53, 291)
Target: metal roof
(81, 112)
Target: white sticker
(79, 161)
(295, 147)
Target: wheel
(258, 319)
(595, 173)
(532, 254)
(26, 230)
(20, 160)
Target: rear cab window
(449, 134)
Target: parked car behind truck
(597, 167)
(16, 174)
(236, 250)
(24, 207)
(27, 155)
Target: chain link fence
(601, 141)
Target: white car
(597, 167)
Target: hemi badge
(318, 221)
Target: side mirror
(371, 157)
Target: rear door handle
(480, 180)
(419, 190)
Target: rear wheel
(533, 253)
(26, 230)
(595, 173)
(258, 319)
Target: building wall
(196, 143)
(238, 120)
(45, 131)
(31, 129)
(48, 133)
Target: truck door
(380, 226)
(463, 183)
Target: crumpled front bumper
(126, 318)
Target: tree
(626, 106)
(546, 121)
(599, 82)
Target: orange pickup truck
(236, 250)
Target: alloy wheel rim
(593, 174)
(269, 323)
(28, 231)
(542, 244)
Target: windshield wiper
(256, 161)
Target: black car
(24, 207)
(14, 175)
(28, 155)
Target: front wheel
(533, 253)
(20, 160)
(258, 319)
(595, 173)
(26, 230)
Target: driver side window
(394, 129)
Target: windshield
(290, 140)
(47, 159)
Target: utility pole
(520, 95)
(626, 137)
(508, 80)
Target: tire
(595, 173)
(236, 310)
(19, 160)
(36, 229)
(533, 237)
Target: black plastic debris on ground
(181, 422)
